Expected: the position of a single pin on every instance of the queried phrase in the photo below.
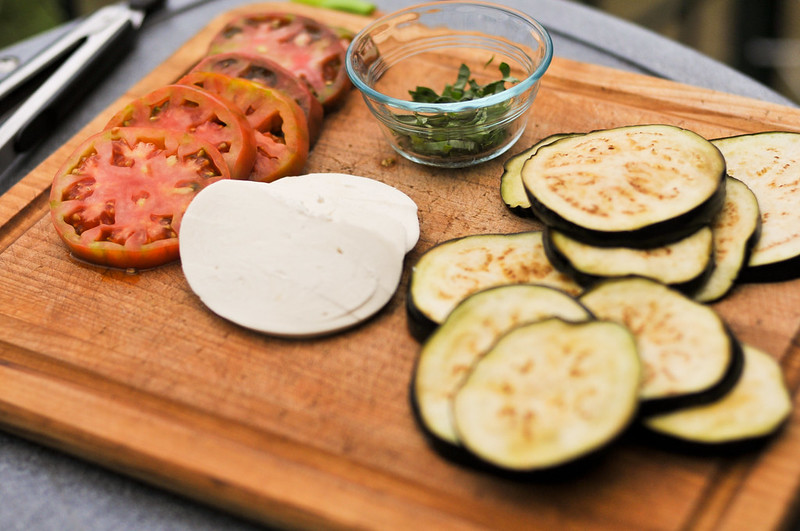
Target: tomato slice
(309, 49)
(267, 72)
(119, 198)
(193, 110)
(278, 121)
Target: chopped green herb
(457, 134)
(464, 88)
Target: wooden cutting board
(131, 371)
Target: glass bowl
(426, 47)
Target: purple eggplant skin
(736, 448)
(743, 273)
(756, 275)
(745, 419)
(776, 272)
(586, 280)
(420, 326)
(653, 235)
(513, 203)
(728, 380)
(511, 180)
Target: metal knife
(88, 51)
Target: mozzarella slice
(353, 199)
(269, 264)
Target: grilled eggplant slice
(512, 190)
(752, 411)
(465, 336)
(636, 186)
(769, 164)
(690, 356)
(450, 271)
(736, 231)
(548, 393)
(684, 265)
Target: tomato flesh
(305, 47)
(280, 127)
(119, 198)
(192, 110)
(269, 73)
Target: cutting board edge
(375, 501)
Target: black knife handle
(75, 84)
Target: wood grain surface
(131, 371)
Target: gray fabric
(44, 490)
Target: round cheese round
(267, 263)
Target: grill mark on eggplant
(448, 355)
(689, 353)
(512, 191)
(752, 411)
(684, 265)
(667, 190)
(769, 164)
(450, 271)
(736, 230)
(523, 407)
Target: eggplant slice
(464, 337)
(753, 410)
(736, 231)
(684, 265)
(636, 186)
(549, 393)
(450, 271)
(512, 191)
(769, 164)
(689, 354)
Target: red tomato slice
(278, 121)
(267, 72)
(192, 110)
(309, 49)
(119, 198)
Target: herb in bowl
(457, 134)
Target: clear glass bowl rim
(411, 106)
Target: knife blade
(92, 48)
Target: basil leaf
(434, 136)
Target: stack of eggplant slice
(449, 272)
(649, 223)
(635, 200)
(769, 164)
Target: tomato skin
(193, 110)
(119, 198)
(254, 67)
(309, 49)
(278, 121)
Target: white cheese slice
(270, 265)
(354, 199)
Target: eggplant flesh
(636, 186)
(689, 354)
(512, 191)
(467, 334)
(450, 271)
(549, 393)
(769, 164)
(736, 230)
(684, 265)
(754, 409)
